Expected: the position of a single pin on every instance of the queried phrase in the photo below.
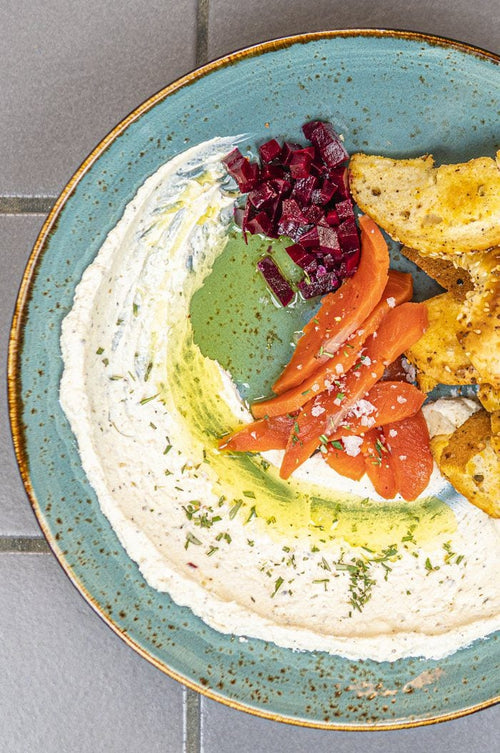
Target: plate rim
(16, 339)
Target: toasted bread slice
(495, 431)
(452, 278)
(489, 397)
(443, 211)
(480, 317)
(438, 355)
(470, 463)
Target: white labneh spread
(314, 563)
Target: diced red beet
(329, 262)
(332, 217)
(260, 223)
(327, 191)
(300, 256)
(340, 176)
(233, 160)
(272, 275)
(262, 196)
(245, 173)
(292, 211)
(250, 176)
(345, 209)
(309, 127)
(271, 172)
(321, 271)
(312, 267)
(282, 187)
(291, 229)
(329, 241)
(323, 238)
(300, 163)
(349, 264)
(287, 152)
(348, 236)
(314, 214)
(327, 141)
(319, 286)
(310, 239)
(304, 189)
(270, 150)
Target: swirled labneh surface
(316, 562)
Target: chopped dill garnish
(235, 508)
(324, 564)
(148, 399)
(253, 514)
(190, 539)
(325, 582)
(277, 585)
(450, 556)
(430, 567)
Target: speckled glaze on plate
(394, 93)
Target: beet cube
(262, 196)
(260, 223)
(314, 214)
(292, 211)
(340, 176)
(304, 189)
(245, 173)
(348, 236)
(275, 280)
(319, 286)
(300, 162)
(327, 141)
(287, 152)
(300, 256)
(269, 151)
(282, 187)
(349, 264)
(332, 217)
(329, 241)
(345, 209)
(272, 172)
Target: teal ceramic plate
(394, 93)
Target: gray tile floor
(70, 71)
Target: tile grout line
(192, 721)
(23, 544)
(191, 699)
(26, 204)
(202, 32)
